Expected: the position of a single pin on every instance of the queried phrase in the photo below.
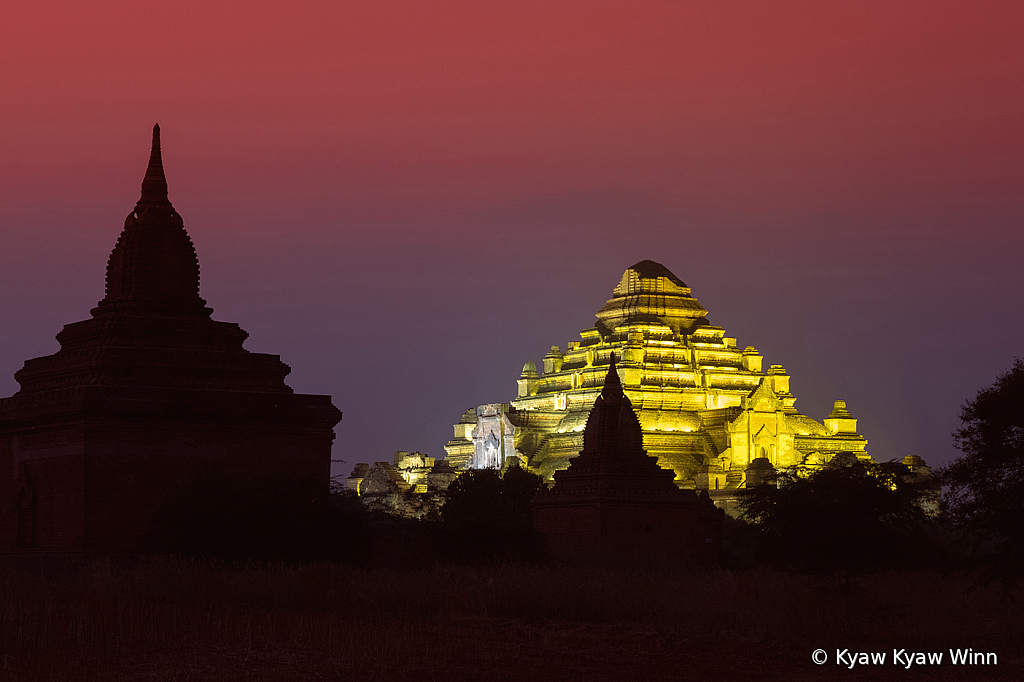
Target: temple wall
(97, 486)
(53, 520)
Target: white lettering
(855, 658)
(972, 657)
(911, 658)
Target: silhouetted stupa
(615, 505)
(144, 396)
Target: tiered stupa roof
(153, 268)
(152, 328)
(649, 293)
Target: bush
(487, 518)
(853, 518)
(261, 519)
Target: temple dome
(649, 293)
(805, 426)
(648, 271)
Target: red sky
(408, 200)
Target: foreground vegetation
(169, 619)
(271, 580)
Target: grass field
(167, 619)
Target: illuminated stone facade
(706, 407)
(413, 486)
(487, 439)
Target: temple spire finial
(612, 385)
(154, 185)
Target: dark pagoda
(147, 395)
(615, 505)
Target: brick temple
(708, 411)
(144, 397)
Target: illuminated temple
(708, 410)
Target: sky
(409, 200)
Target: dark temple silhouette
(615, 505)
(146, 395)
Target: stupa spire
(154, 184)
(613, 449)
(612, 386)
(153, 265)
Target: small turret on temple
(706, 409)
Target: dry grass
(165, 619)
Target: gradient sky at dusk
(408, 200)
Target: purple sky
(407, 201)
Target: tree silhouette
(853, 518)
(986, 486)
(487, 517)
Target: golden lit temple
(707, 409)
